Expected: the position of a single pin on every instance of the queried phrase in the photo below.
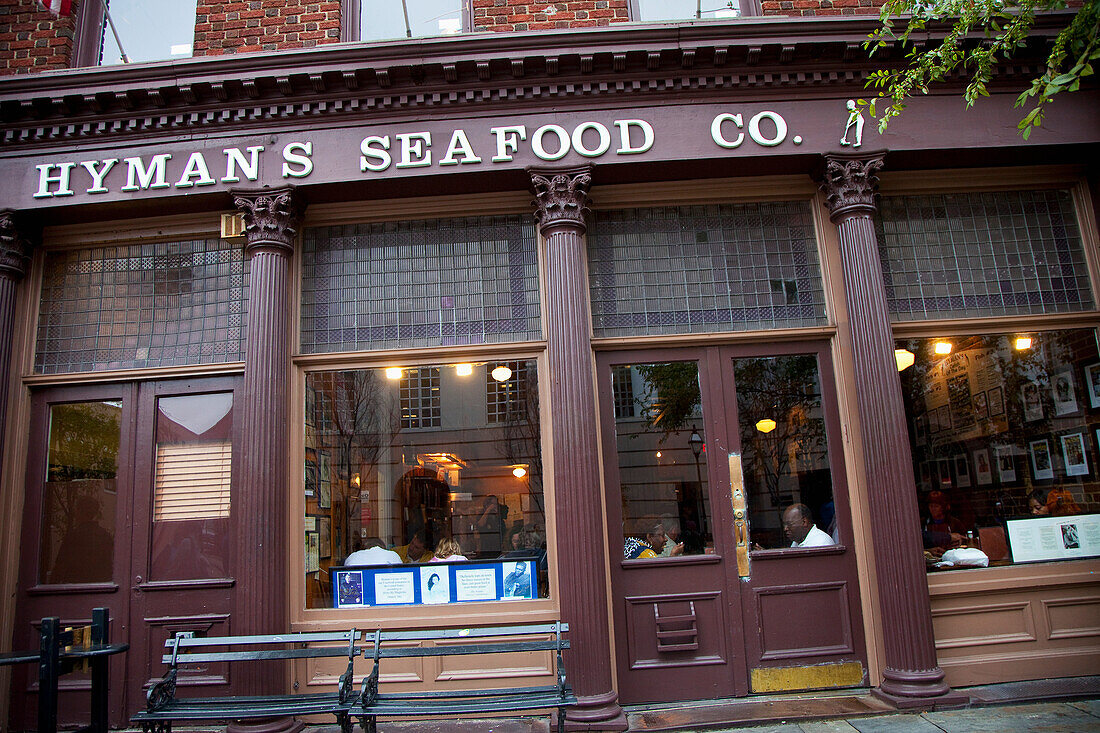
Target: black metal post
(49, 669)
(101, 669)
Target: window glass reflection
(662, 460)
(407, 464)
(688, 9)
(149, 31)
(386, 19)
(785, 452)
(80, 492)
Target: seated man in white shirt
(374, 554)
(798, 525)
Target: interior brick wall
(33, 40)
(242, 26)
(529, 15)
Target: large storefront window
(410, 465)
(1005, 432)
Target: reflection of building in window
(385, 19)
(420, 398)
(622, 386)
(506, 400)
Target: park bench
(517, 639)
(163, 707)
(62, 650)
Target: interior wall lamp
(943, 348)
(904, 358)
(766, 425)
(502, 373)
(393, 372)
(1023, 343)
(464, 370)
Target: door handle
(740, 515)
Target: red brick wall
(531, 15)
(240, 26)
(795, 8)
(32, 39)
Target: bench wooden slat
(292, 638)
(429, 706)
(465, 693)
(443, 651)
(474, 633)
(256, 654)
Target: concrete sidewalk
(1057, 717)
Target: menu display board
(1054, 538)
(434, 583)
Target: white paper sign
(476, 585)
(393, 588)
(1054, 538)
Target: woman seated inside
(447, 549)
(1058, 502)
(942, 532)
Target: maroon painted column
(912, 677)
(271, 221)
(14, 255)
(561, 202)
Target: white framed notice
(1092, 380)
(1041, 467)
(1006, 468)
(983, 470)
(1073, 453)
(962, 471)
(478, 584)
(1063, 392)
(1054, 538)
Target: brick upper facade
(32, 40)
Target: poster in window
(1054, 538)
(517, 579)
(920, 430)
(962, 471)
(311, 472)
(981, 406)
(435, 584)
(1073, 452)
(1041, 467)
(996, 401)
(983, 470)
(313, 557)
(1006, 467)
(324, 481)
(1065, 396)
(1032, 401)
(944, 465)
(324, 532)
(1092, 379)
(349, 584)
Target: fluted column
(561, 202)
(271, 222)
(14, 255)
(911, 677)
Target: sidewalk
(1058, 717)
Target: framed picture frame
(1075, 455)
(996, 401)
(324, 533)
(962, 471)
(1063, 392)
(313, 552)
(1041, 467)
(1092, 382)
(983, 468)
(324, 481)
(1006, 465)
(1031, 399)
(981, 406)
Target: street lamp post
(695, 442)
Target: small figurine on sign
(855, 119)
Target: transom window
(381, 20)
(688, 9)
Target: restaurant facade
(613, 300)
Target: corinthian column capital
(561, 196)
(850, 183)
(15, 250)
(271, 218)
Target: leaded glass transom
(133, 306)
(982, 254)
(422, 283)
(694, 269)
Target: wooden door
(682, 430)
(77, 517)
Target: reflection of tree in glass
(784, 389)
(522, 440)
(671, 394)
(84, 441)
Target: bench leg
(368, 723)
(157, 726)
(346, 723)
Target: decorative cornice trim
(15, 249)
(272, 219)
(850, 183)
(561, 197)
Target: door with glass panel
(723, 459)
(77, 515)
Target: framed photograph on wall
(983, 469)
(1063, 392)
(996, 401)
(1092, 381)
(962, 471)
(981, 406)
(324, 481)
(1006, 467)
(324, 533)
(1041, 467)
(1031, 397)
(1073, 453)
(313, 552)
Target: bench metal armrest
(370, 688)
(162, 692)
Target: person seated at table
(673, 545)
(416, 550)
(799, 528)
(942, 531)
(374, 552)
(1058, 502)
(648, 540)
(448, 549)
